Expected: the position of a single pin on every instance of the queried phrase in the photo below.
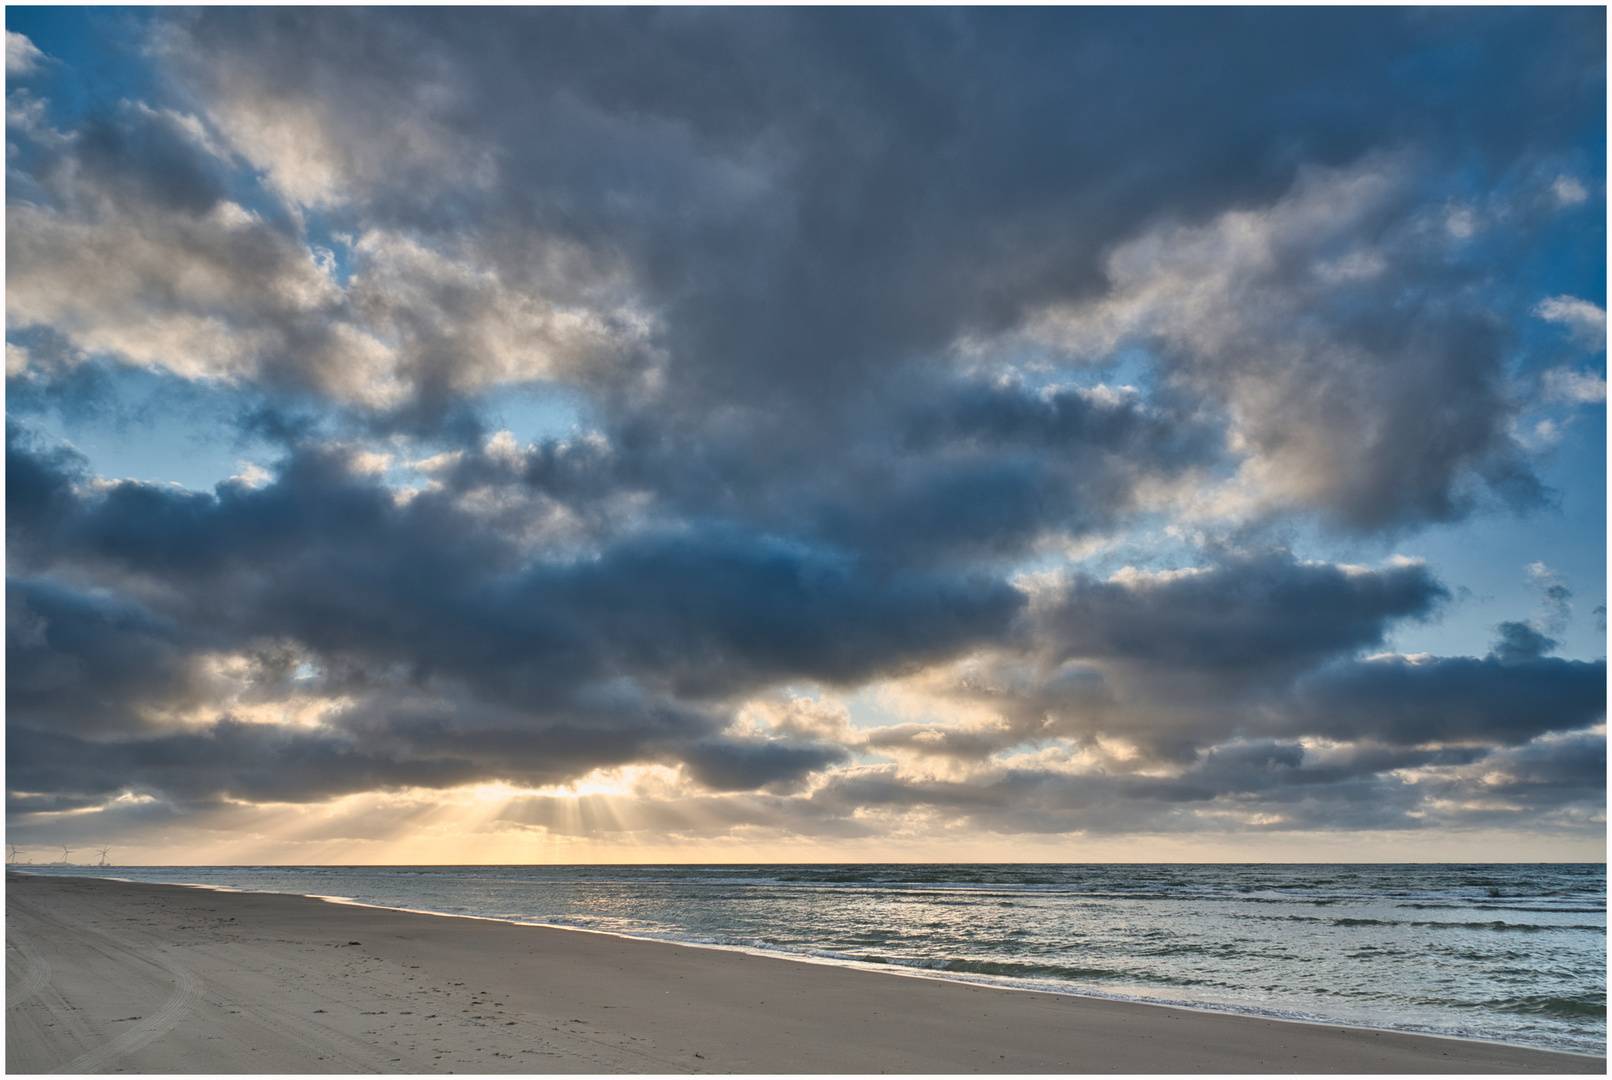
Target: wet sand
(104, 976)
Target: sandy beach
(106, 976)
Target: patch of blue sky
(532, 413)
(1570, 265)
(1044, 368)
(868, 709)
(1146, 543)
(862, 705)
(1488, 560)
(332, 247)
(1129, 366)
(122, 454)
(1574, 253)
(536, 412)
(147, 425)
(97, 57)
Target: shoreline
(897, 969)
(267, 982)
(991, 982)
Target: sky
(701, 435)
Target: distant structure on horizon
(14, 856)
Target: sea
(1504, 953)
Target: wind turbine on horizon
(66, 851)
(103, 856)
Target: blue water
(1512, 953)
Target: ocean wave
(1493, 924)
(1545, 1005)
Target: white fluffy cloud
(22, 56)
(205, 289)
(1580, 387)
(1585, 321)
(1310, 322)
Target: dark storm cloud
(980, 471)
(1266, 611)
(1559, 773)
(737, 766)
(1501, 699)
(1173, 662)
(229, 758)
(89, 664)
(139, 155)
(964, 471)
(39, 485)
(1519, 641)
(326, 555)
(460, 660)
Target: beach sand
(105, 976)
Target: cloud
(225, 760)
(140, 255)
(1266, 611)
(1555, 597)
(585, 660)
(1585, 321)
(741, 766)
(989, 365)
(415, 643)
(1568, 191)
(136, 251)
(1251, 786)
(81, 663)
(1508, 697)
(1520, 641)
(1148, 671)
(22, 56)
(710, 168)
(1170, 663)
(1373, 420)
(1579, 387)
(751, 600)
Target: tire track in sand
(186, 997)
(35, 979)
(187, 994)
